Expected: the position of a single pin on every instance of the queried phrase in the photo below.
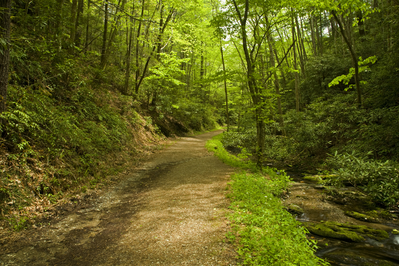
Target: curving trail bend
(168, 211)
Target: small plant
(18, 224)
(378, 179)
(264, 232)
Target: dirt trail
(168, 211)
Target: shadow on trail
(168, 211)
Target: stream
(315, 206)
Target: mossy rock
(347, 232)
(363, 217)
(330, 230)
(366, 231)
(395, 232)
(294, 209)
(384, 214)
(313, 178)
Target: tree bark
(105, 34)
(79, 15)
(5, 29)
(276, 82)
(113, 30)
(128, 58)
(353, 57)
(301, 47)
(156, 47)
(136, 90)
(87, 26)
(202, 74)
(297, 102)
(225, 87)
(73, 21)
(312, 27)
(252, 85)
(59, 16)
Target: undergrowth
(379, 179)
(264, 232)
(53, 148)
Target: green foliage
(81, 126)
(363, 67)
(378, 179)
(167, 71)
(54, 146)
(18, 223)
(195, 115)
(265, 232)
(238, 139)
(215, 145)
(320, 71)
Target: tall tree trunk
(202, 73)
(283, 78)
(128, 57)
(313, 35)
(317, 35)
(88, 26)
(303, 37)
(79, 15)
(137, 79)
(295, 68)
(353, 57)
(58, 25)
(5, 22)
(362, 31)
(225, 87)
(59, 16)
(300, 47)
(321, 48)
(276, 82)
(73, 21)
(105, 34)
(156, 47)
(252, 85)
(114, 29)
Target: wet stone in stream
(349, 228)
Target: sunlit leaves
(364, 66)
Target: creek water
(319, 207)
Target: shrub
(379, 179)
(265, 233)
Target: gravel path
(169, 211)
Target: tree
(250, 53)
(225, 87)
(5, 22)
(341, 9)
(355, 62)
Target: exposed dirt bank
(168, 211)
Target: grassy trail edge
(263, 232)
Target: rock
(313, 178)
(294, 209)
(395, 232)
(338, 200)
(348, 232)
(362, 217)
(333, 231)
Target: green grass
(196, 133)
(216, 146)
(263, 231)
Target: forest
(84, 84)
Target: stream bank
(349, 228)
